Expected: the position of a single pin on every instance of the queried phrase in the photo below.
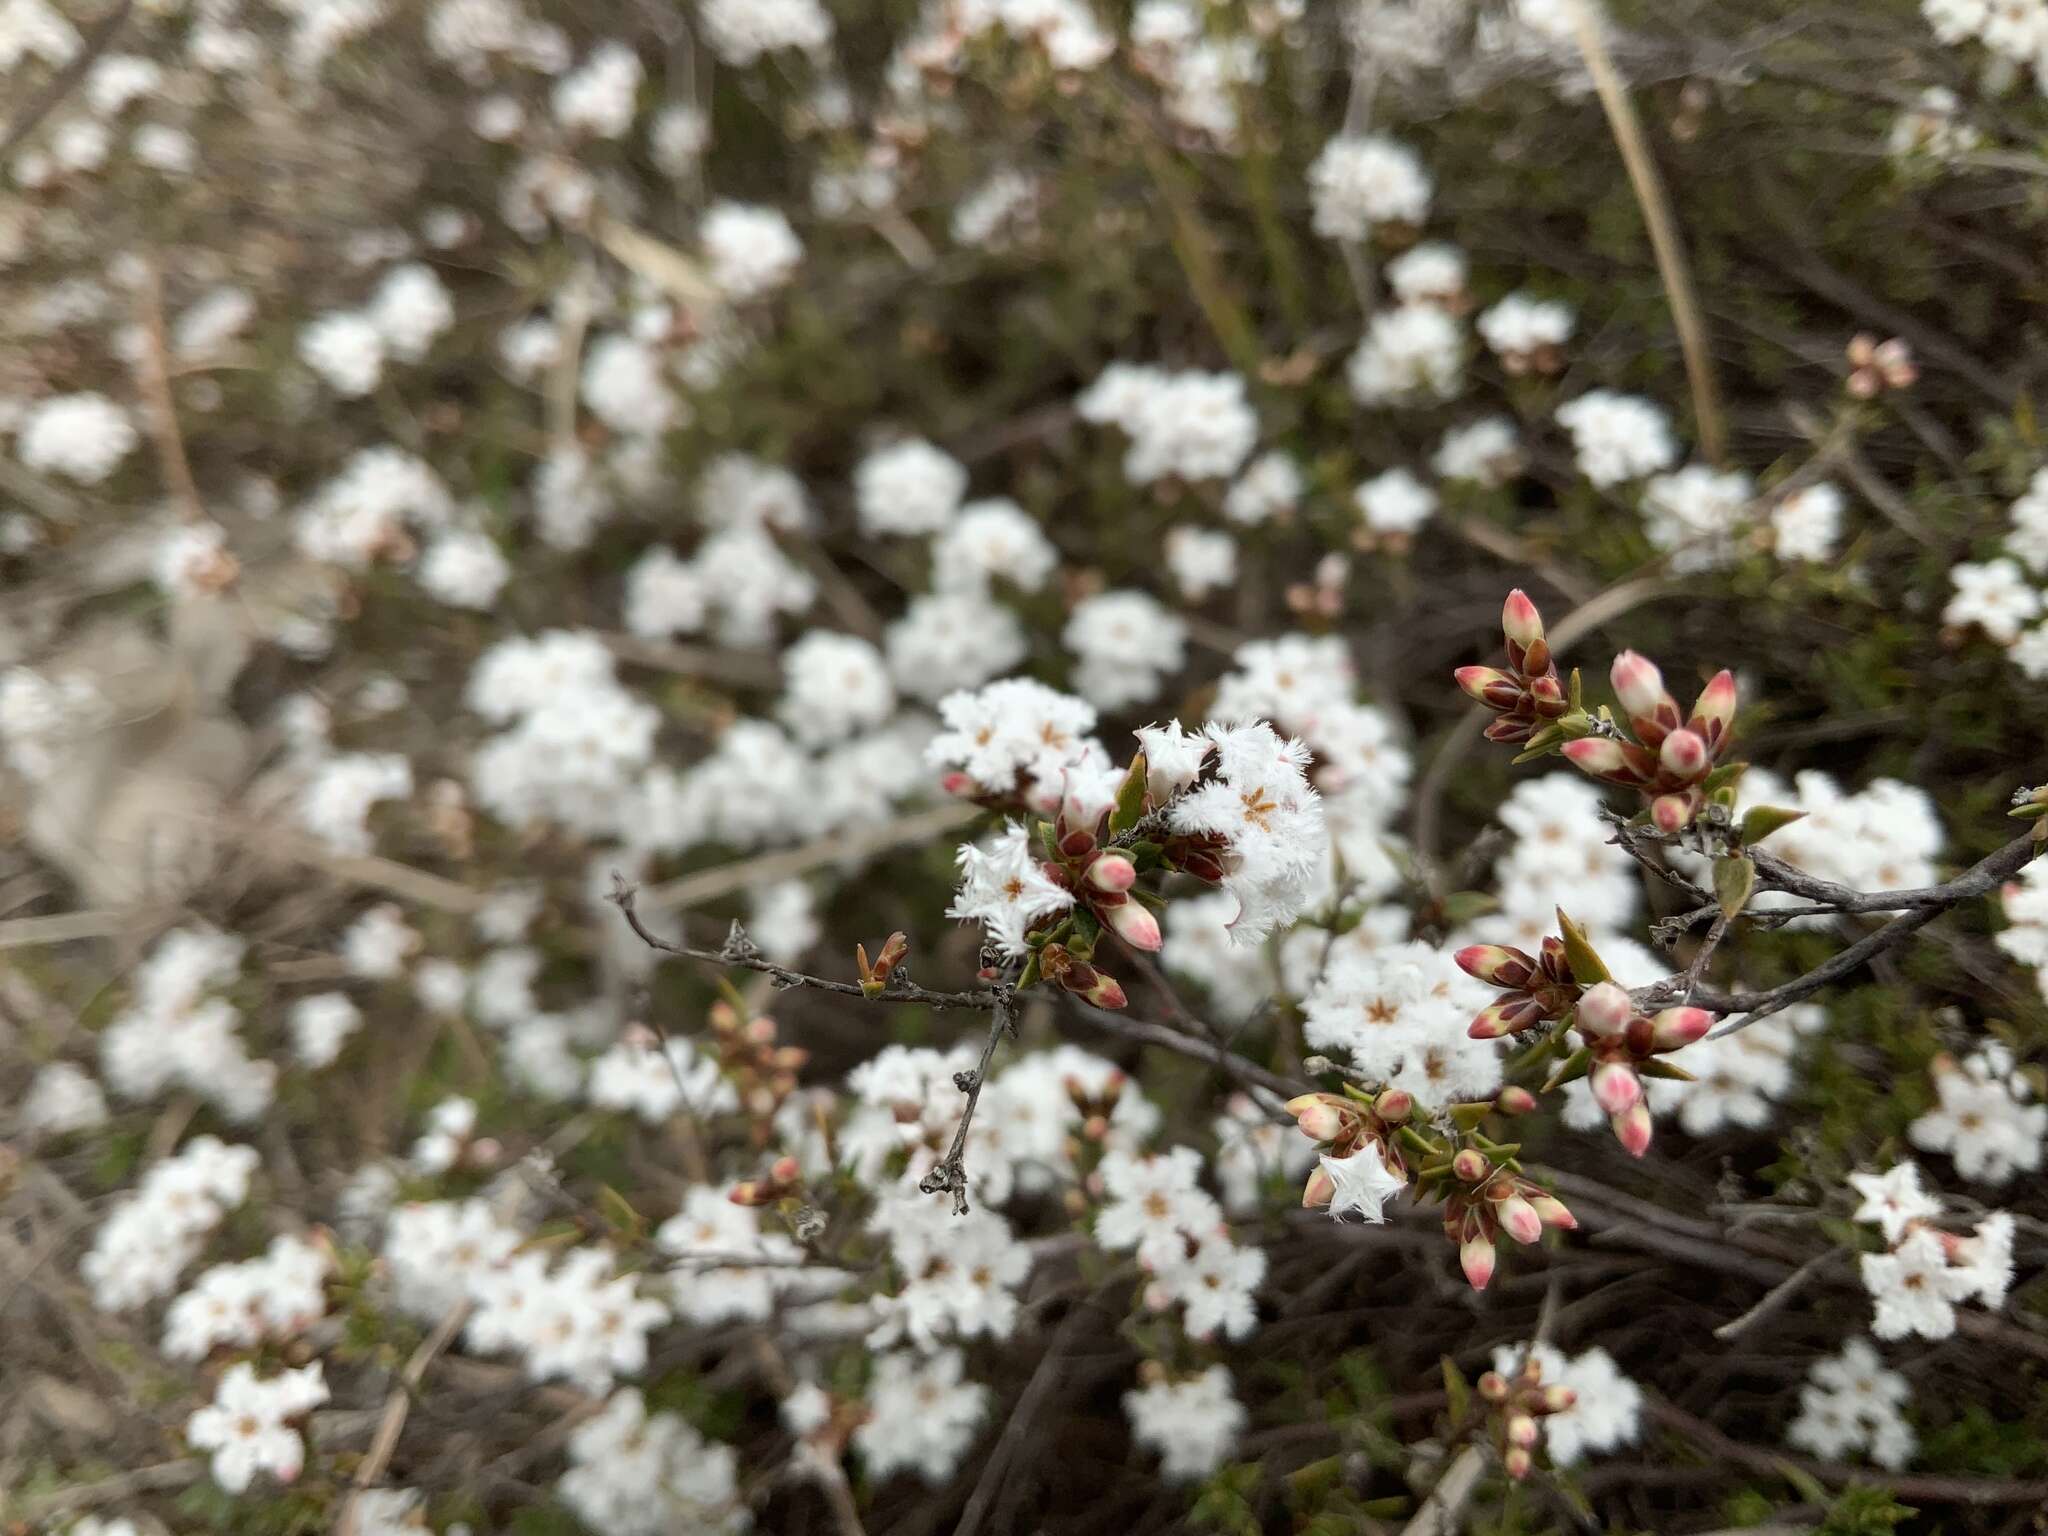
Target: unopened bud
(1604, 1010)
(1507, 1017)
(1558, 1399)
(1512, 1100)
(1320, 1189)
(1670, 813)
(1552, 1212)
(1684, 755)
(1637, 683)
(1548, 694)
(1714, 710)
(1676, 1027)
(1470, 1166)
(1394, 1106)
(1519, 620)
(1112, 872)
(1616, 1087)
(1493, 1387)
(1517, 1462)
(1318, 1115)
(1497, 964)
(1077, 844)
(1521, 1429)
(1632, 1129)
(1490, 686)
(1519, 1220)
(1475, 1257)
(959, 785)
(1135, 925)
(1596, 755)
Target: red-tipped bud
(1519, 620)
(1319, 1190)
(1135, 925)
(1394, 1106)
(1553, 1212)
(1112, 872)
(1490, 686)
(1498, 964)
(1670, 813)
(1684, 755)
(1632, 1129)
(1509, 1016)
(1521, 1429)
(1517, 1462)
(1558, 1399)
(1475, 1257)
(1597, 755)
(1519, 1220)
(1616, 1088)
(1512, 1100)
(1320, 1116)
(960, 785)
(1548, 693)
(1604, 1010)
(1091, 985)
(1638, 684)
(1676, 1027)
(1470, 1166)
(1493, 1387)
(1714, 711)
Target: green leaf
(1726, 774)
(1456, 1389)
(1130, 798)
(1760, 821)
(1657, 1066)
(1734, 882)
(1576, 1066)
(1587, 966)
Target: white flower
(752, 251)
(1270, 485)
(1807, 524)
(1126, 642)
(1521, 326)
(834, 685)
(1192, 1424)
(1695, 515)
(598, 98)
(1484, 452)
(1412, 354)
(992, 540)
(908, 488)
(347, 350)
(320, 1025)
(1617, 437)
(1995, 596)
(409, 309)
(1362, 1182)
(1395, 502)
(1914, 1288)
(922, 1416)
(1893, 1199)
(1268, 822)
(82, 437)
(740, 31)
(1361, 180)
(1005, 889)
(247, 1427)
(947, 641)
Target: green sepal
(1587, 966)
(1130, 798)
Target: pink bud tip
(1471, 1166)
(1554, 1213)
(1512, 1100)
(1394, 1106)
(1497, 964)
(1604, 1010)
(1112, 872)
(1493, 1387)
(1557, 1399)
(1519, 620)
(1637, 683)
(1107, 993)
(1318, 1118)
(958, 784)
(1489, 686)
(1616, 1087)
(1521, 1429)
(1684, 755)
(1677, 1027)
(1632, 1129)
(1519, 1220)
(1475, 1257)
(1596, 755)
(1715, 707)
(1135, 925)
(1670, 812)
(1319, 1190)
(1517, 1463)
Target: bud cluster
(1876, 366)
(1516, 1403)
(1345, 1123)
(762, 1072)
(1621, 1048)
(1536, 989)
(1528, 697)
(1672, 757)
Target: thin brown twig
(154, 371)
(396, 1407)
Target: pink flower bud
(960, 785)
(1490, 686)
(1604, 1010)
(1496, 963)
(1558, 1399)
(1519, 620)
(1632, 1129)
(1637, 683)
(1318, 1116)
(1517, 1462)
(1319, 1190)
(1552, 1212)
(1112, 872)
(1500, 1019)
(1548, 693)
(1493, 1387)
(1714, 710)
(1470, 1166)
(1684, 755)
(1519, 1220)
(1475, 1257)
(1394, 1106)
(1512, 1100)
(1135, 925)
(1521, 1429)
(1676, 1027)
(1616, 1087)
(1670, 812)
(1597, 755)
